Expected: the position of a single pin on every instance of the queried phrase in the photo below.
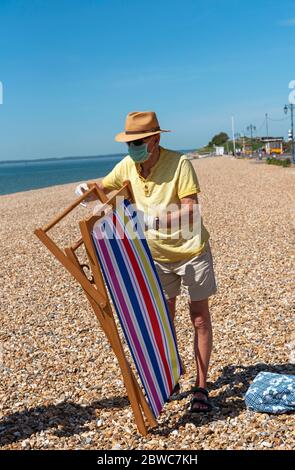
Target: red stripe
(146, 296)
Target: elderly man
(165, 188)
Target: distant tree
(219, 139)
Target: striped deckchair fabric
(137, 295)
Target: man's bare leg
(201, 320)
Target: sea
(23, 175)
(34, 174)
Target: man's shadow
(65, 419)
(235, 381)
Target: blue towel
(271, 393)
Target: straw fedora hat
(139, 125)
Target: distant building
(273, 145)
(219, 151)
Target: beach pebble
(266, 444)
(61, 386)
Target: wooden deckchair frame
(96, 293)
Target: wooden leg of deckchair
(146, 409)
(109, 327)
(139, 394)
(128, 378)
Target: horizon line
(73, 157)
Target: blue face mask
(138, 153)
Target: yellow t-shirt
(172, 178)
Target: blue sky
(72, 69)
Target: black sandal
(200, 401)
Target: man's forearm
(185, 215)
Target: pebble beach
(60, 383)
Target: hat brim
(123, 137)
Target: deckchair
(123, 271)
